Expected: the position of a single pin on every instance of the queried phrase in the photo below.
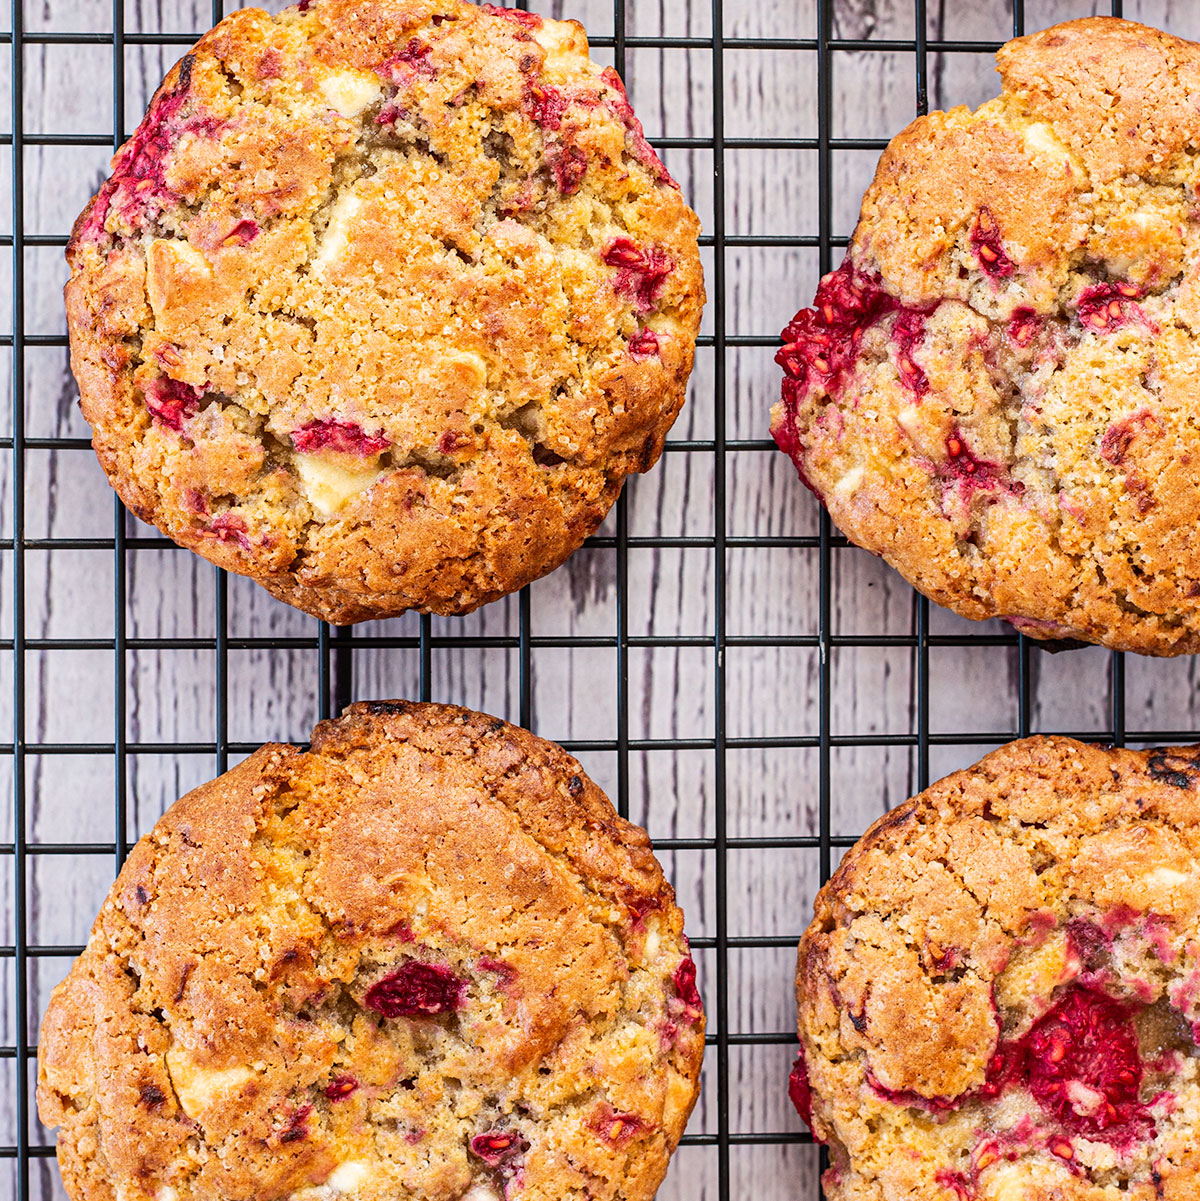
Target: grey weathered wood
(170, 695)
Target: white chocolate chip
(849, 483)
(348, 1177)
(349, 92)
(329, 484)
(336, 237)
(199, 1088)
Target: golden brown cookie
(996, 390)
(382, 303)
(425, 959)
(999, 996)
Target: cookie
(382, 303)
(995, 391)
(424, 959)
(999, 996)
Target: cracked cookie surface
(999, 995)
(382, 303)
(995, 391)
(425, 959)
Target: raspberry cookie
(382, 303)
(996, 390)
(999, 996)
(424, 959)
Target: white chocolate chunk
(849, 483)
(1165, 877)
(349, 1177)
(480, 1191)
(336, 237)
(329, 484)
(1041, 137)
(200, 1088)
(349, 92)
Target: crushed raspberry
(270, 66)
(1114, 446)
(1106, 307)
(545, 105)
(957, 1182)
(640, 906)
(820, 343)
(340, 1087)
(528, 20)
(137, 188)
(297, 1126)
(568, 166)
(908, 333)
(1024, 326)
(505, 971)
(618, 102)
(1084, 1067)
(408, 62)
(985, 241)
(344, 437)
(451, 441)
(171, 402)
(961, 469)
(641, 271)
(215, 237)
(616, 1127)
(1089, 944)
(497, 1146)
(799, 1090)
(684, 980)
(416, 990)
(230, 527)
(643, 345)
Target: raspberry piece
(1083, 1066)
(985, 241)
(416, 990)
(643, 345)
(641, 271)
(345, 437)
(568, 165)
(1118, 438)
(297, 1125)
(907, 334)
(1106, 307)
(171, 403)
(407, 63)
(684, 980)
(230, 527)
(616, 1127)
(1089, 943)
(497, 1146)
(618, 102)
(545, 105)
(799, 1090)
(1024, 326)
(962, 470)
(340, 1087)
(822, 342)
(528, 20)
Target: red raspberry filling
(1118, 438)
(568, 165)
(230, 527)
(171, 402)
(345, 437)
(616, 1127)
(619, 104)
(1083, 1066)
(497, 1146)
(799, 1089)
(528, 20)
(907, 334)
(1023, 326)
(643, 345)
(416, 990)
(297, 1125)
(409, 61)
(985, 241)
(961, 469)
(340, 1087)
(545, 105)
(1106, 307)
(641, 271)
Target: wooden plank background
(70, 690)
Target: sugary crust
(956, 922)
(219, 1037)
(383, 302)
(1012, 427)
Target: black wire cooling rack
(816, 47)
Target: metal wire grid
(335, 647)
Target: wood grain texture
(671, 592)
